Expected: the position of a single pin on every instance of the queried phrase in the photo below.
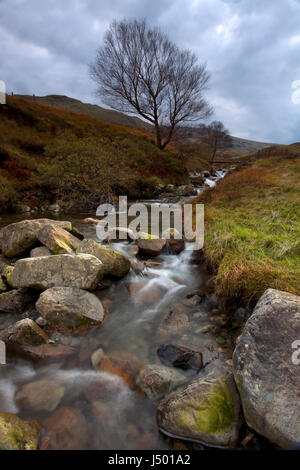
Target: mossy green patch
(6, 275)
(16, 434)
(214, 414)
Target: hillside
(252, 229)
(241, 146)
(244, 146)
(49, 154)
(71, 104)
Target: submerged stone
(155, 380)
(42, 395)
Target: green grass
(252, 230)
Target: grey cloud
(251, 48)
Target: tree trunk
(158, 136)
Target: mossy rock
(206, 410)
(114, 264)
(3, 286)
(6, 275)
(145, 236)
(16, 434)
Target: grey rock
(17, 238)
(267, 378)
(82, 271)
(69, 309)
(114, 263)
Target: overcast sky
(251, 47)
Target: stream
(112, 415)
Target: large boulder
(115, 264)
(266, 373)
(69, 309)
(206, 410)
(82, 271)
(150, 245)
(17, 238)
(58, 240)
(15, 301)
(42, 395)
(155, 380)
(16, 434)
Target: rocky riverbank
(133, 342)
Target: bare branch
(139, 71)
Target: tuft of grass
(252, 230)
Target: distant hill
(241, 146)
(71, 104)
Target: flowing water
(114, 415)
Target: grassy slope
(240, 146)
(253, 227)
(49, 154)
(71, 104)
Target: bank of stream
(113, 415)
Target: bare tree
(216, 136)
(139, 71)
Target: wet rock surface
(114, 263)
(125, 365)
(206, 410)
(150, 245)
(180, 356)
(156, 380)
(66, 429)
(42, 395)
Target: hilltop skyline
(251, 49)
